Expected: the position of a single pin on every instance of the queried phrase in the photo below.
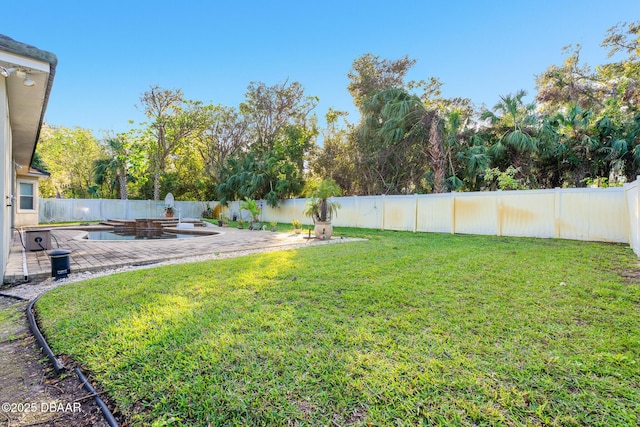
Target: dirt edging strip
(59, 367)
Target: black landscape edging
(103, 407)
(59, 367)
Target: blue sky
(109, 53)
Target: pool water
(136, 235)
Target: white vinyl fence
(578, 214)
(632, 196)
(66, 210)
(594, 214)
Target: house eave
(27, 105)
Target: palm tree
(112, 168)
(251, 206)
(465, 151)
(568, 149)
(400, 118)
(515, 127)
(119, 163)
(319, 207)
(619, 146)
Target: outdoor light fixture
(28, 82)
(6, 72)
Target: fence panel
(286, 211)
(361, 211)
(594, 214)
(400, 213)
(609, 215)
(475, 213)
(632, 197)
(66, 210)
(435, 213)
(530, 214)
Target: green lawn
(403, 329)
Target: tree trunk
(435, 151)
(161, 154)
(156, 185)
(323, 211)
(122, 178)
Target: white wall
(5, 177)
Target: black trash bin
(60, 263)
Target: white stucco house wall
(26, 78)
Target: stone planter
(323, 230)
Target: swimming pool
(136, 235)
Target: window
(26, 196)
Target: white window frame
(18, 200)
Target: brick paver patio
(88, 255)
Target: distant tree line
(583, 128)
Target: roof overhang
(32, 172)
(27, 105)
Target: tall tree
(269, 110)
(277, 175)
(571, 83)
(624, 75)
(159, 106)
(281, 128)
(370, 74)
(594, 89)
(124, 161)
(411, 132)
(173, 119)
(225, 134)
(70, 156)
(335, 159)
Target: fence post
(415, 215)
(356, 210)
(499, 213)
(384, 208)
(557, 213)
(453, 212)
(635, 240)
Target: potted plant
(222, 221)
(297, 226)
(274, 226)
(241, 224)
(168, 211)
(208, 212)
(251, 206)
(320, 208)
